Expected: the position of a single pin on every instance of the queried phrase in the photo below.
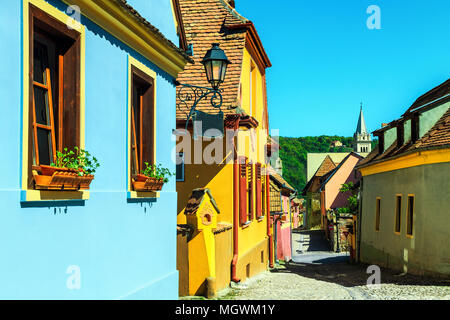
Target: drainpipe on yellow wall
(292, 196)
(275, 223)
(234, 277)
(269, 218)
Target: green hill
(293, 154)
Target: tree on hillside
(293, 153)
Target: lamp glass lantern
(215, 63)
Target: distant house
(405, 190)
(312, 193)
(323, 190)
(296, 210)
(314, 161)
(280, 192)
(335, 144)
(331, 183)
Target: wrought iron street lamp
(215, 62)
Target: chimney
(384, 124)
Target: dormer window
(400, 134)
(415, 128)
(381, 143)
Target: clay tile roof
(279, 179)
(440, 91)
(437, 137)
(155, 31)
(326, 166)
(205, 22)
(196, 200)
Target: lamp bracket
(189, 96)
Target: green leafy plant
(156, 171)
(77, 159)
(352, 201)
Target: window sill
(47, 195)
(246, 225)
(143, 194)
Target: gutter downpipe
(234, 277)
(275, 223)
(269, 218)
(290, 218)
(276, 226)
(359, 224)
(290, 225)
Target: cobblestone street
(318, 274)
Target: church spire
(361, 127)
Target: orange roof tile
(279, 179)
(437, 137)
(326, 166)
(435, 93)
(206, 22)
(152, 29)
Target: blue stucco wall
(125, 249)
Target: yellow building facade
(231, 169)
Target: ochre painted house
(234, 244)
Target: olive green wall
(428, 251)
(430, 117)
(407, 130)
(389, 137)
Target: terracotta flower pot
(85, 181)
(55, 178)
(49, 170)
(144, 183)
(140, 178)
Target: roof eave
(125, 23)
(254, 41)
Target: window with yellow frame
(53, 82)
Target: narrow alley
(316, 273)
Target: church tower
(362, 140)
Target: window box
(54, 178)
(143, 183)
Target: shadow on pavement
(320, 263)
(352, 275)
(314, 240)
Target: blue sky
(326, 61)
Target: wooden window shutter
(250, 186)
(258, 191)
(243, 190)
(58, 90)
(70, 100)
(148, 121)
(142, 120)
